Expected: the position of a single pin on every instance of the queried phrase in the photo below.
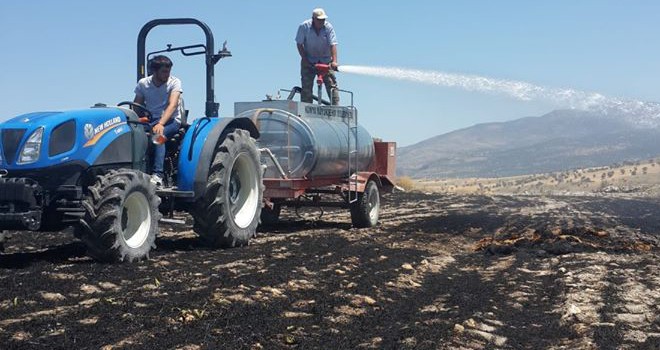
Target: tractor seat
(178, 137)
(183, 112)
(174, 142)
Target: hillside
(638, 178)
(558, 141)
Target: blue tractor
(88, 169)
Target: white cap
(319, 13)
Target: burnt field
(440, 271)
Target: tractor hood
(43, 139)
(30, 118)
(45, 119)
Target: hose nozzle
(322, 69)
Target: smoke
(520, 90)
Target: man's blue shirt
(317, 46)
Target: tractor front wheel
(228, 213)
(121, 216)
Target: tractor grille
(11, 139)
(62, 139)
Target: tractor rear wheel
(121, 216)
(365, 211)
(228, 212)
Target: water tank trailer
(319, 155)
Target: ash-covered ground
(439, 272)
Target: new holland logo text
(101, 129)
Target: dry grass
(639, 176)
(406, 183)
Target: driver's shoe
(157, 180)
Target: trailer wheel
(121, 216)
(271, 216)
(365, 211)
(228, 212)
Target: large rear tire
(365, 211)
(228, 212)
(121, 216)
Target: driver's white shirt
(157, 97)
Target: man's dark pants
(308, 81)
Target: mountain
(557, 141)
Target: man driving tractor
(161, 94)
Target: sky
(71, 54)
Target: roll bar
(211, 58)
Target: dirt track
(444, 272)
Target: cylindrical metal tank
(315, 143)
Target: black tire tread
(99, 228)
(360, 209)
(211, 223)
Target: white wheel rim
(137, 221)
(243, 191)
(374, 203)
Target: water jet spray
(641, 113)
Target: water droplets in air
(641, 113)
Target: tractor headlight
(32, 148)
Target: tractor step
(173, 192)
(172, 221)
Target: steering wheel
(139, 109)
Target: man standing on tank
(317, 43)
(160, 93)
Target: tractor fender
(199, 145)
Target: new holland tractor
(88, 168)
